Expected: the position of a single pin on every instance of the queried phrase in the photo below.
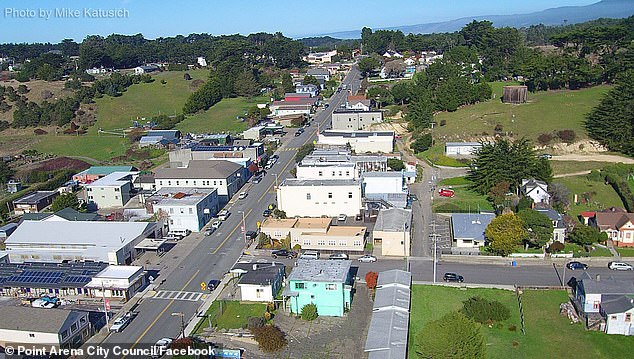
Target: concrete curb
(467, 285)
(507, 261)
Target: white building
(262, 283)
(140, 70)
(320, 57)
(535, 189)
(310, 89)
(109, 242)
(314, 198)
(386, 186)
(359, 141)
(112, 190)
(254, 133)
(42, 328)
(392, 231)
(462, 148)
(224, 176)
(618, 311)
(117, 282)
(201, 61)
(355, 120)
(326, 170)
(186, 208)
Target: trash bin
(514, 263)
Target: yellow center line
(162, 312)
(232, 232)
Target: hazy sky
(51, 21)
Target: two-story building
(388, 186)
(392, 232)
(355, 120)
(96, 172)
(359, 141)
(618, 226)
(112, 190)
(314, 198)
(537, 190)
(315, 170)
(185, 208)
(310, 89)
(559, 225)
(34, 202)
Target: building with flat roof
(392, 232)
(326, 170)
(468, 229)
(314, 198)
(96, 172)
(355, 120)
(110, 242)
(359, 141)
(363, 163)
(186, 208)
(117, 282)
(388, 186)
(197, 151)
(112, 190)
(34, 202)
(254, 133)
(325, 283)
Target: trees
(304, 151)
(206, 96)
(380, 95)
(452, 336)
(309, 312)
(246, 84)
(287, 83)
(368, 65)
(538, 226)
(422, 143)
(559, 196)
(586, 235)
(482, 310)
(401, 92)
(505, 233)
(270, 338)
(371, 280)
(395, 164)
(6, 172)
(64, 201)
(310, 79)
(498, 193)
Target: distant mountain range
(554, 16)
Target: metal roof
(356, 134)
(393, 220)
(320, 183)
(39, 320)
(35, 197)
(395, 277)
(114, 179)
(392, 297)
(470, 225)
(200, 169)
(321, 270)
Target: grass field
(234, 314)
(545, 112)
(601, 195)
(101, 148)
(465, 200)
(221, 117)
(436, 155)
(626, 252)
(548, 334)
(563, 167)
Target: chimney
(598, 278)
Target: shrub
(187, 76)
(443, 123)
(40, 132)
(512, 328)
(268, 316)
(483, 310)
(270, 338)
(452, 336)
(544, 138)
(297, 247)
(567, 136)
(422, 143)
(309, 312)
(371, 279)
(255, 322)
(555, 247)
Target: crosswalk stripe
(177, 295)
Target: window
(347, 173)
(343, 242)
(628, 317)
(312, 297)
(191, 211)
(340, 173)
(321, 242)
(194, 183)
(300, 286)
(349, 194)
(329, 194)
(182, 210)
(31, 335)
(215, 183)
(116, 197)
(613, 317)
(331, 286)
(357, 243)
(116, 189)
(321, 173)
(171, 210)
(333, 173)
(73, 327)
(307, 242)
(65, 334)
(308, 196)
(169, 183)
(177, 183)
(332, 242)
(161, 183)
(596, 304)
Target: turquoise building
(326, 283)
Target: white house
(310, 89)
(468, 229)
(117, 282)
(355, 120)
(591, 292)
(261, 283)
(359, 141)
(186, 208)
(559, 226)
(225, 176)
(140, 70)
(535, 189)
(462, 148)
(320, 57)
(319, 73)
(314, 198)
(112, 190)
(326, 170)
(42, 328)
(618, 311)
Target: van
(179, 233)
(310, 255)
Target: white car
(342, 217)
(216, 225)
(41, 303)
(367, 259)
(223, 215)
(160, 347)
(620, 266)
(242, 195)
(120, 323)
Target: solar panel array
(49, 275)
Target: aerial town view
(406, 179)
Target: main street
(216, 254)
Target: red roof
(588, 214)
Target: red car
(444, 192)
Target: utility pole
(275, 174)
(435, 243)
(182, 315)
(244, 227)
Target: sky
(54, 20)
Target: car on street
(212, 284)
(341, 256)
(269, 165)
(257, 179)
(283, 253)
(120, 323)
(299, 132)
(266, 213)
(242, 195)
(453, 277)
(367, 258)
(161, 347)
(620, 266)
(574, 265)
(209, 231)
(223, 215)
(342, 217)
(275, 157)
(216, 225)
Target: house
(462, 148)
(325, 283)
(389, 327)
(392, 232)
(559, 225)
(117, 282)
(140, 70)
(96, 172)
(355, 120)
(225, 176)
(319, 73)
(254, 133)
(359, 102)
(262, 282)
(385, 186)
(186, 208)
(14, 186)
(392, 54)
(320, 57)
(617, 310)
(468, 229)
(201, 61)
(297, 105)
(99, 241)
(296, 96)
(34, 202)
(590, 292)
(410, 173)
(314, 198)
(535, 189)
(47, 329)
(309, 89)
(359, 141)
(66, 214)
(311, 170)
(113, 190)
(618, 226)
(145, 182)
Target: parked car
(216, 225)
(266, 213)
(342, 256)
(210, 231)
(41, 303)
(453, 277)
(299, 132)
(620, 266)
(223, 215)
(367, 259)
(574, 265)
(269, 165)
(161, 346)
(310, 255)
(120, 323)
(546, 156)
(257, 179)
(283, 253)
(276, 157)
(342, 217)
(242, 195)
(212, 284)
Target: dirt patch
(594, 158)
(584, 146)
(399, 128)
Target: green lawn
(601, 195)
(563, 167)
(545, 112)
(102, 147)
(456, 181)
(465, 200)
(436, 155)
(548, 334)
(626, 252)
(234, 314)
(580, 252)
(221, 116)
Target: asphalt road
(216, 254)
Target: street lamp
(275, 174)
(182, 315)
(244, 227)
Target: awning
(151, 244)
(289, 293)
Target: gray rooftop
(325, 164)
(392, 298)
(35, 197)
(321, 270)
(395, 276)
(613, 304)
(458, 144)
(609, 285)
(388, 174)
(470, 225)
(317, 71)
(180, 196)
(387, 335)
(356, 134)
(319, 183)
(263, 275)
(114, 179)
(37, 319)
(393, 220)
(351, 110)
(200, 169)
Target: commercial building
(314, 198)
(392, 232)
(359, 141)
(385, 186)
(254, 133)
(34, 202)
(363, 163)
(326, 170)
(320, 57)
(186, 208)
(57, 241)
(325, 283)
(468, 229)
(112, 190)
(117, 282)
(180, 158)
(355, 120)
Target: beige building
(392, 232)
(317, 234)
(314, 198)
